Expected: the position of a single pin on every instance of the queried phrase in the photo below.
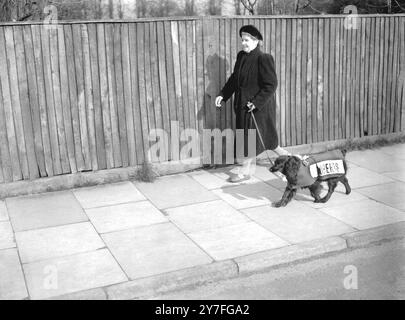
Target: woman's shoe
(238, 178)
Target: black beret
(252, 30)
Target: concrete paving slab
(207, 179)
(237, 240)
(175, 280)
(6, 235)
(152, 250)
(268, 259)
(206, 215)
(107, 195)
(263, 173)
(70, 274)
(297, 222)
(392, 194)
(247, 196)
(48, 243)
(225, 173)
(12, 284)
(173, 191)
(374, 235)
(365, 214)
(44, 210)
(375, 160)
(360, 177)
(397, 175)
(397, 150)
(92, 294)
(3, 211)
(125, 216)
(338, 198)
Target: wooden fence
(84, 96)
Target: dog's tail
(344, 151)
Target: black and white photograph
(201, 155)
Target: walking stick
(260, 137)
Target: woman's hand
(250, 106)
(218, 101)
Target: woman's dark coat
(254, 79)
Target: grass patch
(369, 143)
(146, 173)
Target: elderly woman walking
(254, 84)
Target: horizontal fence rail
(85, 96)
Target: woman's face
(248, 42)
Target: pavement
(133, 240)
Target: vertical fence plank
(376, 92)
(277, 59)
(293, 86)
(139, 119)
(298, 87)
(320, 83)
(361, 67)
(73, 94)
(171, 89)
(287, 82)
(42, 102)
(163, 85)
(371, 90)
(352, 81)
(396, 108)
(314, 106)
(33, 105)
(365, 85)
(283, 84)
(332, 79)
(96, 81)
(128, 102)
(338, 71)
(66, 106)
(122, 124)
(6, 168)
(304, 75)
(199, 75)
(148, 82)
(8, 110)
(15, 101)
(89, 145)
(309, 82)
(390, 76)
(102, 62)
(402, 69)
(326, 101)
(56, 88)
(384, 78)
(112, 95)
(140, 30)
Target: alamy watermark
(190, 145)
(351, 281)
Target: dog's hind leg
(332, 185)
(315, 190)
(346, 184)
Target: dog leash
(260, 137)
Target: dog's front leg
(289, 193)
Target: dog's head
(279, 164)
(287, 165)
